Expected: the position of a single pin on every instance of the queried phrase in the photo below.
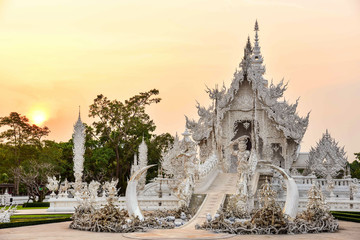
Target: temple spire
(257, 58)
(79, 118)
(256, 29)
(246, 61)
(248, 46)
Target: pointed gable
(250, 72)
(327, 158)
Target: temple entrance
(241, 128)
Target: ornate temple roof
(251, 69)
(327, 158)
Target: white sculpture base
(145, 203)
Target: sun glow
(38, 117)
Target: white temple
(248, 135)
(248, 127)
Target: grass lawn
(20, 207)
(37, 217)
(34, 219)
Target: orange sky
(58, 54)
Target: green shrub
(36, 204)
(347, 216)
(29, 223)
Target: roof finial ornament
(257, 58)
(246, 61)
(79, 118)
(256, 29)
(327, 133)
(248, 46)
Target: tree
(119, 126)
(156, 146)
(34, 176)
(97, 165)
(355, 166)
(19, 134)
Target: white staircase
(225, 183)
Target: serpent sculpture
(131, 200)
(292, 193)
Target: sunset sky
(58, 54)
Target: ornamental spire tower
(142, 162)
(78, 150)
(257, 58)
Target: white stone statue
(180, 162)
(330, 185)
(93, 189)
(5, 214)
(243, 167)
(64, 186)
(111, 190)
(63, 189)
(354, 189)
(53, 185)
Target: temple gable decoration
(327, 158)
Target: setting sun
(37, 117)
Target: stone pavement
(225, 183)
(61, 231)
(38, 211)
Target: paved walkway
(61, 231)
(38, 211)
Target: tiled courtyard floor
(57, 231)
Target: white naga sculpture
(132, 204)
(78, 150)
(292, 193)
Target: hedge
(36, 204)
(347, 216)
(21, 224)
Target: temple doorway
(241, 128)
